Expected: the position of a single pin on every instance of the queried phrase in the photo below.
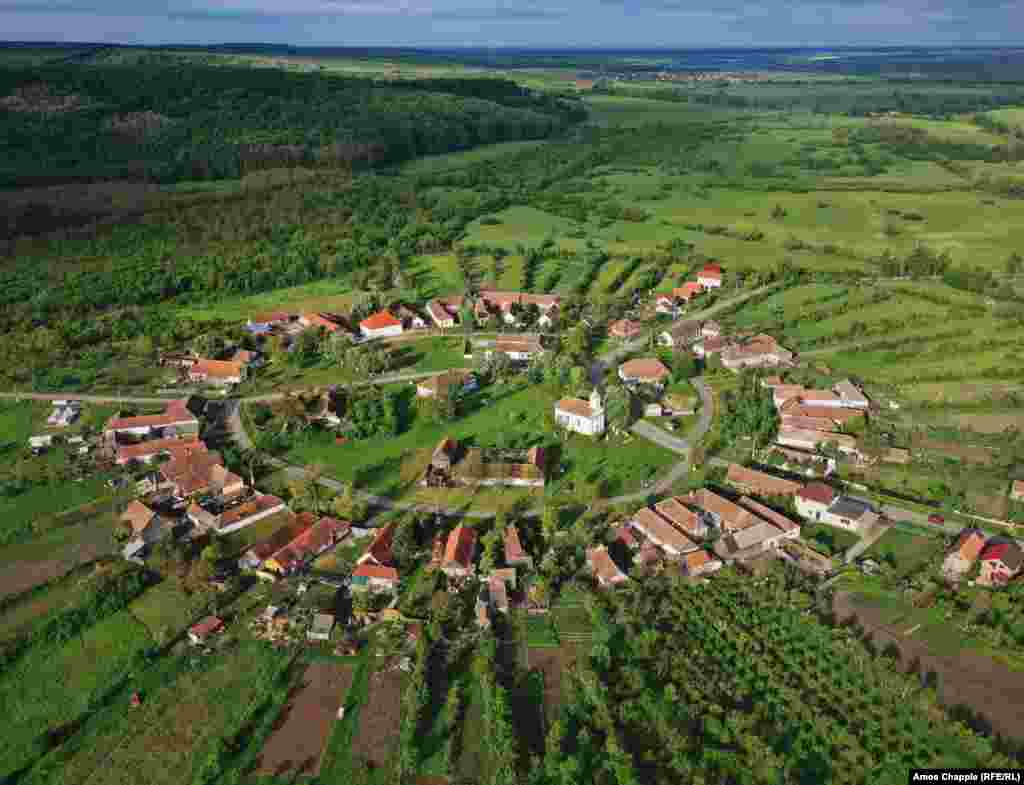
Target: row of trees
(729, 683)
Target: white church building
(586, 417)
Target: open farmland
(180, 722)
(50, 690)
(301, 731)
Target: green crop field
(167, 608)
(56, 685)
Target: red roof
(311, 542)
(380, 321)
(176, 413)
(817, 492)
(513, 547)
(460, 547)
(248, 509)
(374, 571)
(994, 552)
(271, 318)
(129, 452)
(321, 320)
(711, 270)
(207, 626)
(380, 549)
(218, 369)
(625, 535)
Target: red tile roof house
(148, 451)
(271, 319)
(700, 562)
(192, 472)
(662, 533)
(221, 373)
(371, 577)
(687, 291)
(515, 556)
(814, 499)
(461, 380)
(759, 483)
(245, 514)
(999, 563)
(624, 329)
(710, 346)
(444, 312)
(503, 301)
(605, 571)
(761, 351)
(965, 553)
(459, 552)
(199, 633)
(263, 550)
(329, 324)
(710, 277)
(323, 535)
(379, 551)
(720, 511)
(665, 304)
(623, 534)
(679, 334)
(645, 371)
(520, 348)
(682, 518)
(176, 416)
(790, 529)
(380, 325)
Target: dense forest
(173, 121)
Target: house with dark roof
(680, 334)
(852, 514)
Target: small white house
(586, 417)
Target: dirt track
(990, 689)
(300, 734)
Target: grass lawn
(167, 608)
(19, 512)
(827, 539)
(513, 415)
(58, 683)
(569, 616)
(540, 633)
(337, 765)
(904, 548)
(320, 296)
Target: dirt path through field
(990, 689)
(380, 717)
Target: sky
(531, 23)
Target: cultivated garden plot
(301, 730)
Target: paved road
(85, 398)
(681, 446)
(865, 542)
(661, 437)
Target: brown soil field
(989, 689)
(380, 718)
(991, 423)
(552, 662)
(22, 576)
(301, 730)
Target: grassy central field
(508, 415)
